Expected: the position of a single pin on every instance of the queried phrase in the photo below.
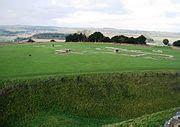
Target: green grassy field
(89, 86)
(84, 58)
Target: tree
(76, 38)
(96, 37)
(141, 40)
(69, 38)
(106, 39)
(82, 37)
(52, 40)
(99, 37)
(115, 39)
(177, 43)
(31, 40)
(166, 41)
(132, 40)
(123, 39)
(119, 39)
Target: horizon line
(75, 27)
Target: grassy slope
(153, 120)
(15, 60)
(94, 98)
(56, 120)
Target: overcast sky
(156, 15)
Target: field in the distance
(42, 59)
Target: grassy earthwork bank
(152, 120)
(91, 85)
(93, 99)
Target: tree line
(99, 37)
(176, 43)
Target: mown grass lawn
(84, 58)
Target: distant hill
(26, 31)
(59, 36)
(4, 32)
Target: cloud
(161, 15)
(79, 4)
(139, 14)
(150, 7)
